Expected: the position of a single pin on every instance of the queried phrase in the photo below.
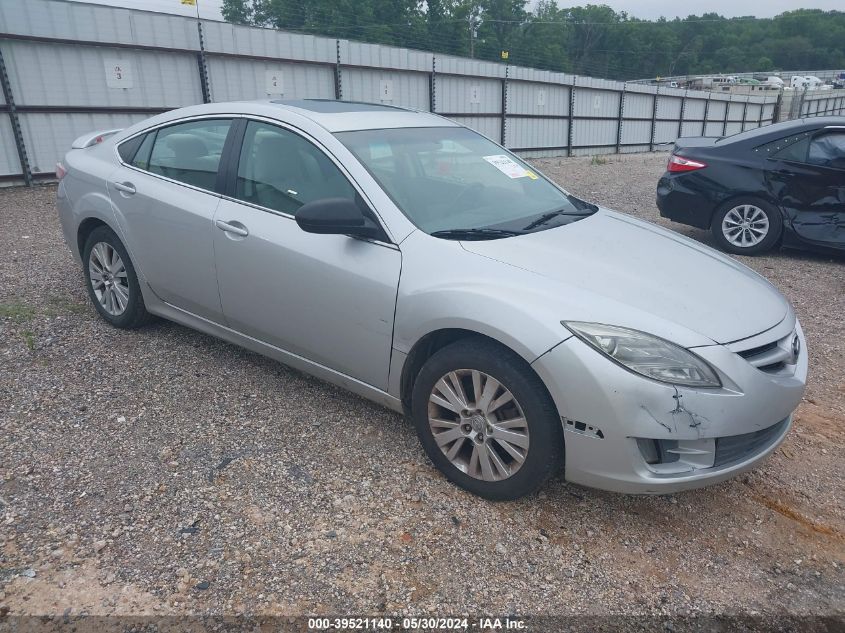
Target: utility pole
(472, 25)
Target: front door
(166, 202)
(811, 187)
(327, 298)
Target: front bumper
(611, 416)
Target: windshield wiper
(475, 234)
(546, 217)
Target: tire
(531, 412)
(128, 313)
(729, 234)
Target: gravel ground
(162, 471)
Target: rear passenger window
(188, 152)
(127, 149)
(282, 171)
(792, 148)
(141, 160)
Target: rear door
(166, 195)
(327, 298)
(808, 180)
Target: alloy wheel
(109, 280)
(478, 424)
(745, 225)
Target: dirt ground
(162, 471)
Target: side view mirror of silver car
(337, 216)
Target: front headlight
(646, 355)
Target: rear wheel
(748, 226)
(486, 420)
(111, 280)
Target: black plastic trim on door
(227, 170)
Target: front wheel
(486, 420)
(747, 226)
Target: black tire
(135, 313)
(545, 453)
(769, 241)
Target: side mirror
(336, 216)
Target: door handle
(232, 228)
(125, 187)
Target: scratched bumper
(611, 416)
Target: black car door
(808, 180)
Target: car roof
(344, 116)
(784, 127)
(331, 115)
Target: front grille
(735, 448)
(756, 351)
(771, 357)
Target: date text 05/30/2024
(416, 624)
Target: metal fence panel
(448, 64)
(389, 87)
(464, 95)
(735, 111)
(232, 39)
(9, 163)
(638, 105)
(234, 79)
(596, 103)
(694, 109)
(668, 107)
(691, 128)
(65, 75)
(665, 131)
(87, 22)
(360, 54)
(537, 99)
(636, 132)
(537, 133)
(713, 129)
(48, 135)
(716, 111)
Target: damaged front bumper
(629, 434)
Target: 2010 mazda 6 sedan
(778, 184)
(417, 263)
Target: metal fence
(67, 68)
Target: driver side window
(282, 171)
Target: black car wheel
(747, 226)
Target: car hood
(614, 269)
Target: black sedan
(782, 184)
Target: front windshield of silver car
(453, 183)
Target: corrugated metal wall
(74, 68)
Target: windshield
(451, 181)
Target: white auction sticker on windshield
(507, 166)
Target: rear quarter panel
(82, 192)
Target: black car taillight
(678, 164)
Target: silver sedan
(417, 263)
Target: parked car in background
(417, 263)
(778, 184)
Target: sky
(648, 9)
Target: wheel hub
(478, 425)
